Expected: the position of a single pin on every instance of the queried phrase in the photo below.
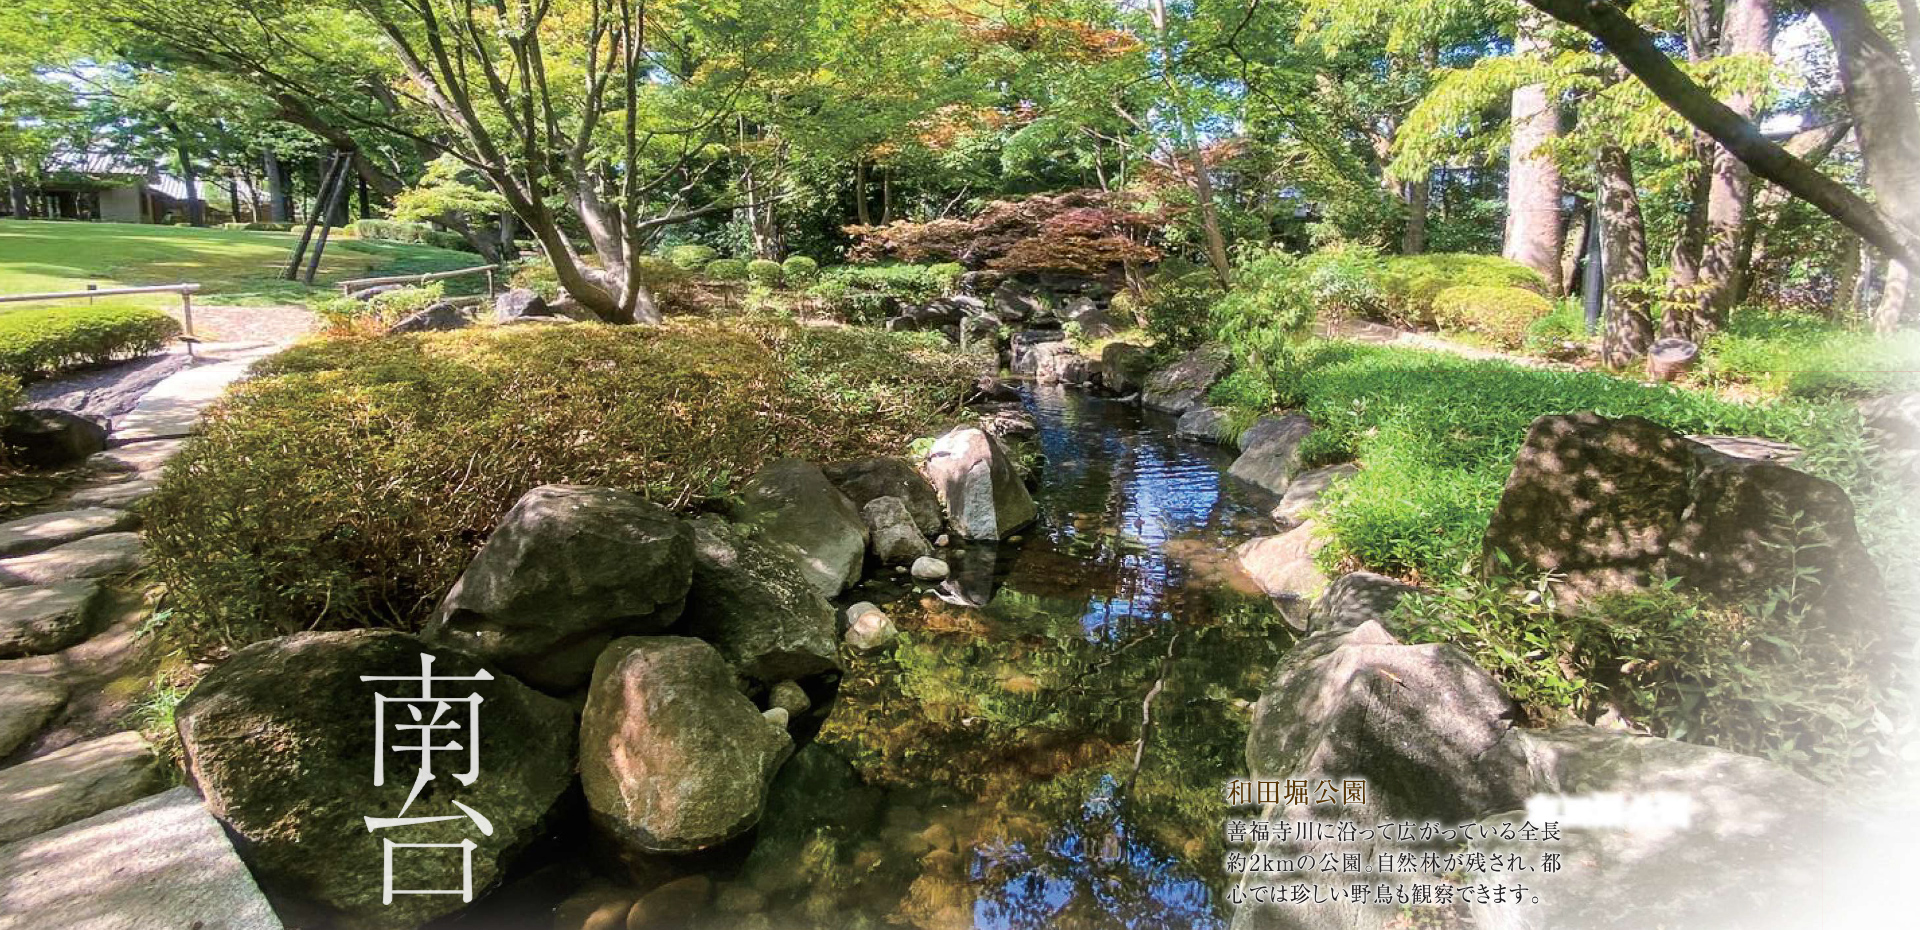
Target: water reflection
(1004, 769)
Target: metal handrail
(348, 287)
(186, 292)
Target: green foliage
(1562, 333)
(1178, 303)
(1800, 355)
(398, 304)
(766, 272)
(1762, 680)
(46, 340)
(350, 480)
(1263, 318)
(692, 257)
(1346, 281)
(946, 273)
(726, 269)
(444, 189)
(1437, 433)
(538, 276)
(1504, 315)
(800, 269)
(862, 293)
(1411, 282)
(396, 231)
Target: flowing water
(1046, 743)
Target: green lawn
(232, 266)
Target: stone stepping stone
(93, 557)
(76, 783)
(1752, 447)
(143, 458)
(27, 702)
(43, 619)
(171, 409)
(44, 531)
(120, 494)
(161, 861)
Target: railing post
(186, 312)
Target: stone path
(86, 841)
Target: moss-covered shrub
(1409, 283)
(421, 233)
(726, 269)
(1501, 314)
(800, 269)
(691, 257)
(766, 271)
(861, 293)
(45, 340)
(349, 482)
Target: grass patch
(349, 483)
(1799, 355)
(1436, 435)
(233, 266)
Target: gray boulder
(792, 502)
(298, 812)
(1354, 599)
(1094, 321)
(1205, 424)
(862, 480)
(438, 318)
(1304, 490)
(1009, 422)
(568, 570)
(43, 619)
(1124, 368)
(1183, 385)
(1013, 301)
(27, 702)
(983, 496)
(1283, 566)
(674, 759)
(1271, 451)
(1060, 363)
(518, 304)
(42, 438)
(868, 627)
(895, 538)
(750, 600)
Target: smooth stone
(27, 702)
(1304, 491)
(869, 628)
(928, 568)
(76, 783)
(143, 458)
(789, 696)
(159, 862)
(171, 409)
(1283, 565)
(44, 619)
(93, 557)
(777, 716)
(120, 494)
(44, 531)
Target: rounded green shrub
(45, 340)
(349, 481)
(1408, 284)
(726, 269)
(1502, 314)
(691, 257)
(766, 271)
(800, 269)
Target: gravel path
(250, 324)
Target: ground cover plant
(350, 481)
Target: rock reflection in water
(991, 770)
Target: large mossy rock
(792, 502)
(1183, 385)
(896, 539)
(568, 570)
(983, 495)
(281, 741)
(1270, 451)
(1124, 368)
(41, 438)
(750, 601)
(862, 480)
(674, 758)
(1614, 505)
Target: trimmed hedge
(766, 271)
(419, 233)
(1409, 283)
(800, 269)
(46, 340)
(726, 269)
(349, 481)
(1502, 314)
(692, 257)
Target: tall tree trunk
(1413, 239)
(196, 214)
(1577, 245)
(860, 210)
(279, 198)
(1879, 94)
(16, 190)
(1747, 30)
(1683, 265)
(1536, 229)
(1623, 243)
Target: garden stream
(1045, 744)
